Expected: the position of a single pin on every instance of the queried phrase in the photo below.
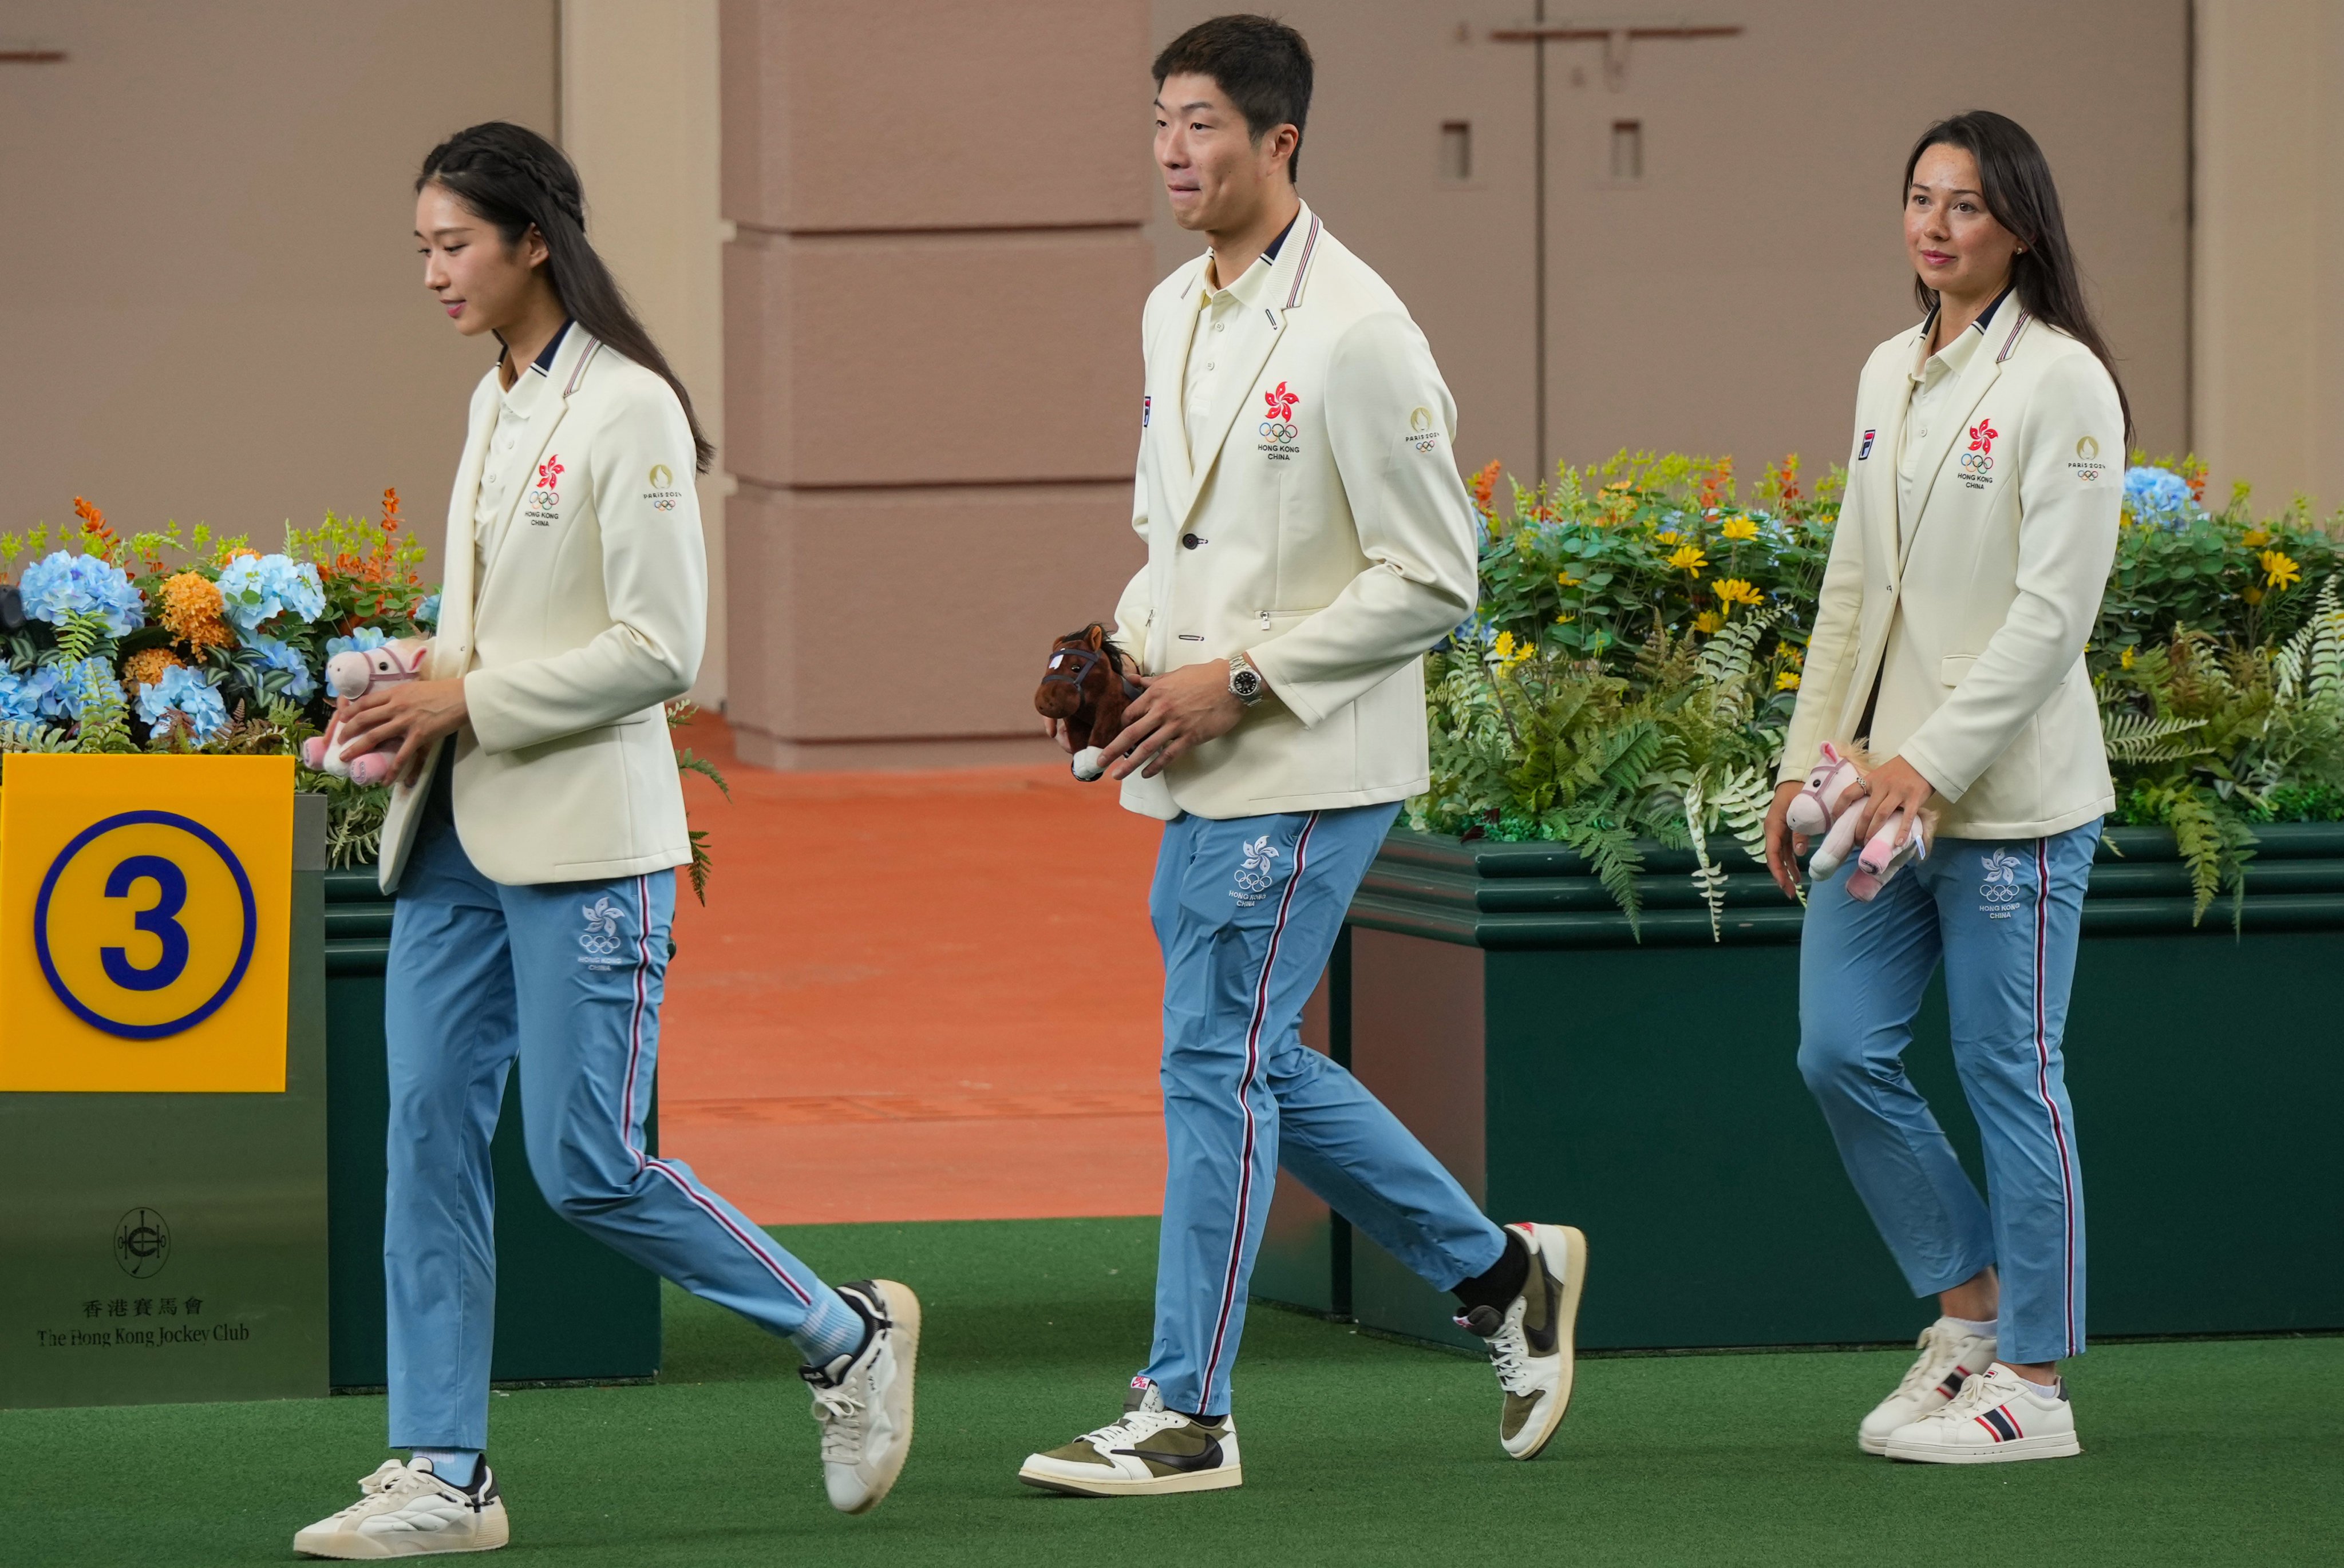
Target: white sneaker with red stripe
(1998, 1417)
(1950, 1356)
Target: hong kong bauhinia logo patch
(601, 938)
(1279, 428)
(1256, 872)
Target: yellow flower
(1667, 539)
(1786, 681)
(1731, 591)
(1564, 620)
(1566, 579)
(1504, 646)
(2123, 659)
(2252, 596)
(2278, 571)
(1707, 621)
(1618, 484)
(1739, 528)
(1796, 656)
(2255, 539)
(1688, 559)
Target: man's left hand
(410, 715)
(1176, 712)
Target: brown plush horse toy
(1084, 684)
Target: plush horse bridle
(1085, 659)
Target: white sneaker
(1950, 1356)
(862, 1401)
(1531, 1345)
(1997, 1418)
(405, 1511)
(1151, 1450)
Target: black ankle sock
(1498, 1286)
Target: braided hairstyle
(517, 180)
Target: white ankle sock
(2048, 1389)
(1971, 1326)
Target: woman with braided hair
(532, 838)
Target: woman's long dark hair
(2019, 192)
(516, 180)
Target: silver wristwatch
(1245, 680)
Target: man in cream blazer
(1307, 540)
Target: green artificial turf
(1358, 1450)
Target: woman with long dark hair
(1985, 479)
(532, 839)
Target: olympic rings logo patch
(1976, 462)
(1278, 431)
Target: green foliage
(1635, 660)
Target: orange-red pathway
(915, 995)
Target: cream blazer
(1326, 534)
(1973, 628)
(591, 613)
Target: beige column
(932, 330)
(2269, 389)
(638, 118)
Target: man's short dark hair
(1262, 64)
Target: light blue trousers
(1246, 912)
(565, 977)
(2004, 917)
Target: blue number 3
(160, 922)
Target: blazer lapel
(1167, 368)
(1254, 336)
(454, 627)
(1978, 375)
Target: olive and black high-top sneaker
(1151, 1450)
(406, 1511)
(1530, 1342)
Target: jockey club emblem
(601, 938)
(1979, 458)
(1280, 428)
(1256, 873)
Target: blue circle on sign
(81, 841)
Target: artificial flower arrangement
(187, 642)
(1630, 672)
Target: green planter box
(568, 1308)
(1493, 996)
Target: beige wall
(638, 118)
(210, 305)
(1725, 303)
(932, 379)
(2269, 383)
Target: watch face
(1246, 683)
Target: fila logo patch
(1866, 450)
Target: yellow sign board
(146, 912)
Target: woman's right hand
(1785, 849)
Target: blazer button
(1189, 542)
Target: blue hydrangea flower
(186, 691)
(32, 695)
(2160, 498)
(79, 685)
(258, 588)
(428, 612)
(277, 655)
(66, 584)
(359, 642)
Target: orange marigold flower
(191, 613)
(145, 666)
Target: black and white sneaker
(862, 1401)
(406, 1511)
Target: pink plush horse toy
(1829, 808)
(352, 675)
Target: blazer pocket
(1954, 667)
